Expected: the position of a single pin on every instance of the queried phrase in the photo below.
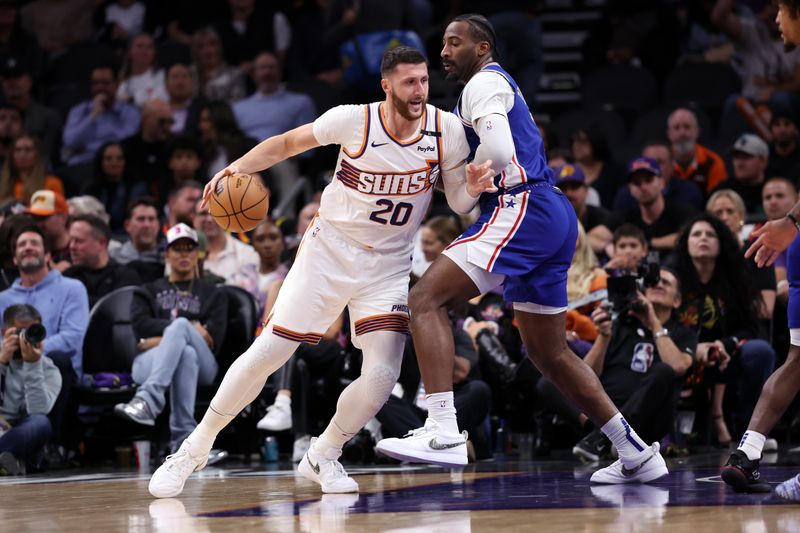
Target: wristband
(663, 332)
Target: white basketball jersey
(382, 186)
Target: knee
(421, 300)
(41, 424)
(179, 326)
(758, 354)
(380, 382)
(188, 357)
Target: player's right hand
(211, 185)
(773, 238)
(480, 178)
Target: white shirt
(237, 263)
(143, 87)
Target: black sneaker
(593, 447)
(742, 474)
(10, 465)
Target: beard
(404, 109)
(31, 264)
(684, 149)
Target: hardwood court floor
(492, 496)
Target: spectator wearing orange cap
(50, 210)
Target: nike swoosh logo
(315, 467)
(632, 471)
(438, 446)
(377, 145)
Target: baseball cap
(644, 164)
(181, 231)
(569, 174)
(751, 144)
(45, 203)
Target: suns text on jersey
(389, 183)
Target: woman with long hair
(113, 184)
(721, 303)
(222, 139)
(24, 171)
(140, 79)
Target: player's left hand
(773, 238)
(480, 178)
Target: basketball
(239, 202)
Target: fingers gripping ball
(239, 202)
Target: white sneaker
(428, 444)
(770, 445)
(326, 470)
(278, 417)
(789, 489)
(169, 478)
(301, 445)
(652, 468)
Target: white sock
(629, 445)
(752, 444)
(283, 399)
(441, 407)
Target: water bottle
(270, 449)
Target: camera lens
(34, 334)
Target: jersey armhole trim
(366, 136)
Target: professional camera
(34, 334)
(623, 284)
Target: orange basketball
(239, 202)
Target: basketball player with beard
(524, 240)
(356, 253)
(741, 471)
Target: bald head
(156, 120)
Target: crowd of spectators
(111, 125)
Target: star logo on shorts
(511, 204)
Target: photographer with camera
(639, 355)
(29, 386)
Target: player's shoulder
(488, 80)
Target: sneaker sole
(269, 428)
(451, 460)
(304, 469)
(645, 477)
(734, 478)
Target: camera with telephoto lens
(34, 334)
(623, 284)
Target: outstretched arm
(267, 153)
(774, 237)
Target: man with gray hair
(750, 158)
(29, 386)
(693, 161)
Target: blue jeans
(179, 363)
(27, 437)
